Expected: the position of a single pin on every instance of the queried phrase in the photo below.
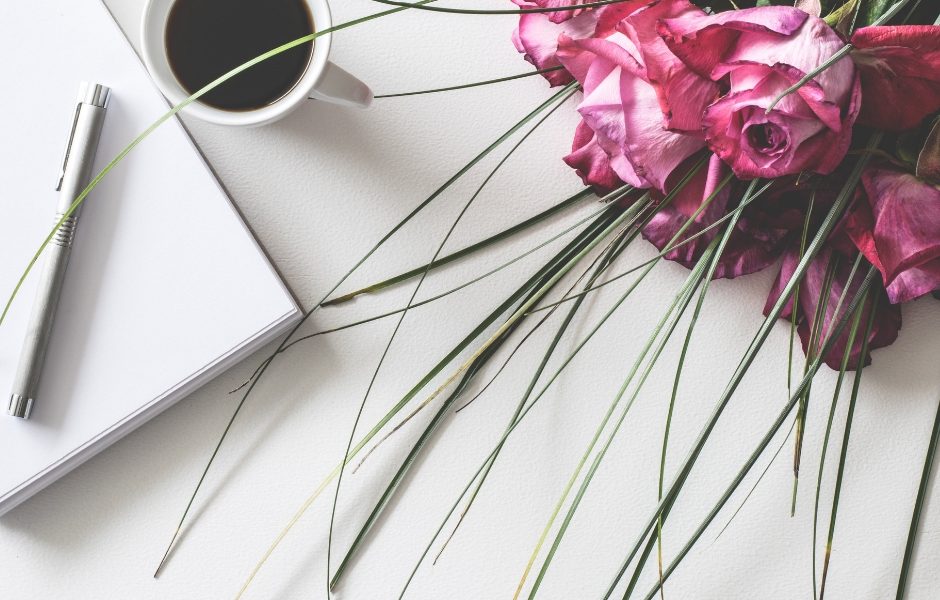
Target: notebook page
(165, 280)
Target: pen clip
(68, 146)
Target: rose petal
(537, 37)
(554, 17)
(590, 161)
(813, 7)
(896, 225)
(915, 282)
(887, 320)
(755, 243)
(900, 71)
(683, 94)
(702, 42)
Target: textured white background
(319, 188)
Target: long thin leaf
(837, 392)
(502, 235)
(584, 341)
(675, 389)
(768, 437)
(483, 467)
(814, 247)
(470, 85)
(815, 341)
(671, 316)
(434, 298)
(616, 247)
(559, 99)
(534, 281)
(673, 245)
(703, 270)
(846, 434)
(267, 362)
(918, 507)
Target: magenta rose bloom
(896, 225)
(756, 54)
(642, 103)
(887, 320)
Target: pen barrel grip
(42, 317)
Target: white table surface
(319, 188)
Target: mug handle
(336, 85)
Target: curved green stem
(471, 85)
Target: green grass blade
(759, 478)
(671, 317)
(483, 468)
(172, 112)
(704, 270)
(561, 97)
(434, 298)
(572, 355)
(768, 437)
(524, 413)
(670, 246)
(832, 411)
(502, 235)
(388, 235)
(845, 439)
(522, 342)
(819, 318)
(615, 248)
(794, 298)
(471, 85)
(675, 392)
(918, 508)
(657, 538)
(532, 283)
(523, 310)
(835, 213)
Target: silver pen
(76, 172)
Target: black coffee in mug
(207, 38)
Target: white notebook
(166, 288)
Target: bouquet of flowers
(734, 139)
(773, 93)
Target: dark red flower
(900, 72)
(887, 319)
(896, 225)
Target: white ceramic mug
(322, 79)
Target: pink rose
(756, 54)
(643, 104)
(896, 225)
